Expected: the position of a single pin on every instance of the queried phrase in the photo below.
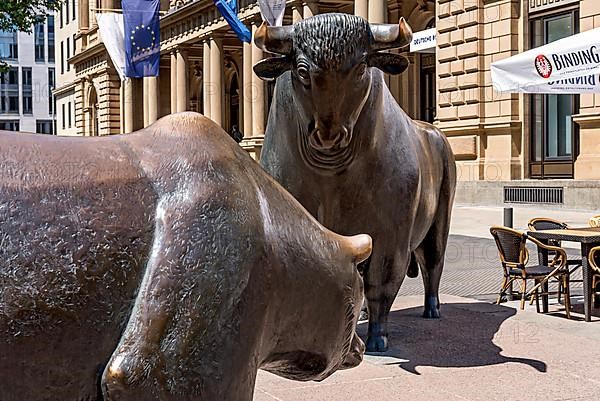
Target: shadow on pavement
(463, 337)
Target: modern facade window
(27, 90)
(51, 86)
(9, 91)
(68, 54)
(40, 50)
(61, 16)
(44, 127)
(74, 44)
(9, 49)
(73, 4)
(67, 19)
(553, 132)
(51, 36)
(9, 125)
(62, 57)
(70, 115)
(64, 117)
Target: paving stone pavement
(478, 351)
(472, 269)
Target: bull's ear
(388, 62)
(270, 68)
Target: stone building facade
(545, 146)
(537, 142)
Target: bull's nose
(327, 139)
(355, 356)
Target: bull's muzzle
(329, 138)
(355, 355)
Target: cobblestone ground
(472, 269)
(478, 351)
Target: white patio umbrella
(569, 65)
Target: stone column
(361, 8)
(378, 11)
(247, 89)
(216, 78)
(258, 93)
(310, 8)
(182, 81)
(206, 86)
(145, 100)
(121, 108)
(296, 12)
(151, 97)
(128, 105)
(84, 15)
(173, 82)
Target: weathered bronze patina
(163, 265)
(339, 142)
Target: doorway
(234, 103)
(427, 88)
(427, 82)
(93, 127)
(554, 135)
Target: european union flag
(142, 37)
(228, 9)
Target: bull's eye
(362, 68)
(303, 73)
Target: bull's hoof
(432, 308)
(377, 344)
(431, 313)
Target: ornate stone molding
(542, 5)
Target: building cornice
(588, 120)
(65, 88)
(96, 49)
(495, 128)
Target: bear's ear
(270, 68)
(388, 62)
(358, 246)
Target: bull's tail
(413, 267)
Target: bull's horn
(359, 246)
(274, 39)
(391, 36)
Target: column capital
(216, 36)
(183, 49)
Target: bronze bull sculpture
(339, 142)
(163, 265)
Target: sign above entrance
(424, 41)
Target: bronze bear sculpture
(163, 265)
(340, 143)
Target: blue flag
(228, 9)
(142, 37)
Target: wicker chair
(546, 223)
(594, 260)
(595, 221)
(514, 257)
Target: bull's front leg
(382, 282)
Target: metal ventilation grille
(547, 195)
